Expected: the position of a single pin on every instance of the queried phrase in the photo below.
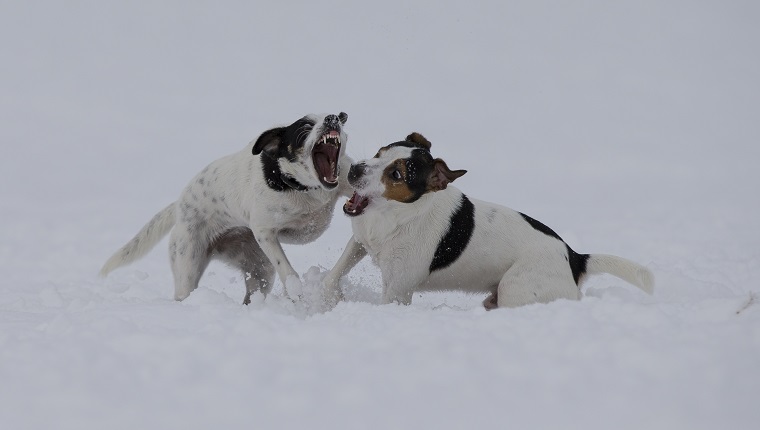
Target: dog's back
(427, 235)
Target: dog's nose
(331, 120)
(336, 121)
(356, 172)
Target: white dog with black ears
(282, 188)
(428, 236)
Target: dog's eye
(396, 175)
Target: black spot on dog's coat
(577, 262)
(456, 239)
(538, 225)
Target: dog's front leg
(268, 240)
(353, 253)
(399, 282)
(400, 294)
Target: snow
(628, 127)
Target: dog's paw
(331, 298)
(294, 288)
(331, 292)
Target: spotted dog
(428, 236)
(282, 188)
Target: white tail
(143, 241)
(624, 269)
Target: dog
(428, 236)
(282, 188)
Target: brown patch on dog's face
(395, 181)
(402, 171)
(407, 179)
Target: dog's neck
(293, 184)
(381, 225)
(276, 179)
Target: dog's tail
(143, 241)
(624, 269)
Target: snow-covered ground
(629, 127)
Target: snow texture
(630, 128)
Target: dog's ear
(268, 142)
(342, 117)
(442, 175)
(419, 139)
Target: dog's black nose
(356, 172)
(331, 120)
(335, 121)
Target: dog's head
(400, 172)
(304, 154)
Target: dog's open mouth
(325, 156)
(355, 205)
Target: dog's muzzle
(327, 150)
(325, 157)
(356, 172)
(355, 205)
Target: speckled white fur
(214, 213)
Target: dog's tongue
(355, 205)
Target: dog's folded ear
(268, 142)
(419, 139)
(442, 175)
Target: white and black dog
(427, 236)
(282, 188)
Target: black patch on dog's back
(454, 242)
(577, 262)
(538, 225)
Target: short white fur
(505, 256)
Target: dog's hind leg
(491, 302)
(537, 279)
(189, 256)
(259, 275)
(238, 247)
